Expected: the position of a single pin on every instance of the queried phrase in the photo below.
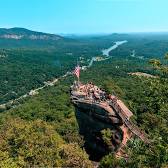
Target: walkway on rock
(122, 111)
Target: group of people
(91, 91)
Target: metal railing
(134, 129)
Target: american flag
(77, 71)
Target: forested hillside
(23, 70)
(52, 112)
(43, 131)
(27, 63)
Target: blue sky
(85, 16)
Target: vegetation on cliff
(149, 104)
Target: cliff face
(21, 33)
(104, 121)
(98, 142)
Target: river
(106, 52)
(113, 47)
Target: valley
(35, 85)
(13, 103)
(83, 84)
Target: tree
(155, 62)
(107, 136)
(36, 143)
(166, 56)
(74, 156)
(109, 161)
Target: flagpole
(78, 66)
(78, 78)
(77, 73)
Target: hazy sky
(85, 16)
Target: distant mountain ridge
(22, 33)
